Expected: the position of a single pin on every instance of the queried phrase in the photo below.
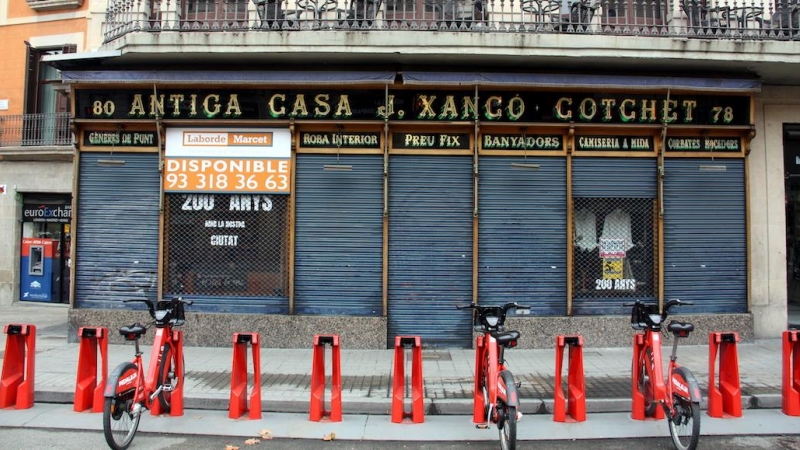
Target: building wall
(19, 24)
(775, 106)
(21, 178)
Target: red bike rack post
(176, 396)
(638, 409)
(478, 415)
(317, 410)
(238, 400)
(791, 373)
(725, 394)
(88, 388)
(399, 413)
(17, 379)
(576, 388)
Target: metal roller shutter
(614, 177)
(705, 235)
(522, 243)
(117, 230)
(430, 249)
(339, 236)
(632, 184)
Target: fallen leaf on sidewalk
(265, 434)
(231, 447)
(329, 437)
(252, 441)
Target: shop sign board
(119, 138)
(433, 105)
(704, 144)
(428, 141)
(615, 143)
(334, 139)
(243, 161)
(48, 213)
(491, 141)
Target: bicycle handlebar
(505, 307)
(670, 303)
(646, 314)
(152, 307)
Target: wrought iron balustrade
(35, 130)
(712, 19)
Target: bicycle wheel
(120, 420)
(646, 386)
(684, 423)
(168, 377)
(507, 427)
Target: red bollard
(17, 379)
(725, 396)
(398, 386)
(176, 399)
(238, 400)
(176, 396)
(88, 389)
(791, 373)
(576, 388)
(317, 410)
(478, 402)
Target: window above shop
(53, 5)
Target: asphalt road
(28, 438)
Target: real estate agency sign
(216, 160)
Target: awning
(302, 78)
(575, 81)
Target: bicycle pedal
(482, 426)
(166, 388)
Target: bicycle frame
(679, 383)
(131, 376)
(489, 362)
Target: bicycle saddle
(133, 332)
(680, 328)
(505, 337)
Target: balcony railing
(710, 19)
(42, 130)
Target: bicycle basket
(180, 315)
(164, 312)
(645, 316)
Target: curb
(432, 407)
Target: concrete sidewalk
(367, 374)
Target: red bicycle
(679, 396)
(128, 392)
(496, 392)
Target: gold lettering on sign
(323, 108)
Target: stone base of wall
(616, 331)
(279, 331)
(216, 330)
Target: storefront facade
(370, 204)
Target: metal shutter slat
(522, 243)
(430, 249)
(339, 236)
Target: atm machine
(36, 273)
